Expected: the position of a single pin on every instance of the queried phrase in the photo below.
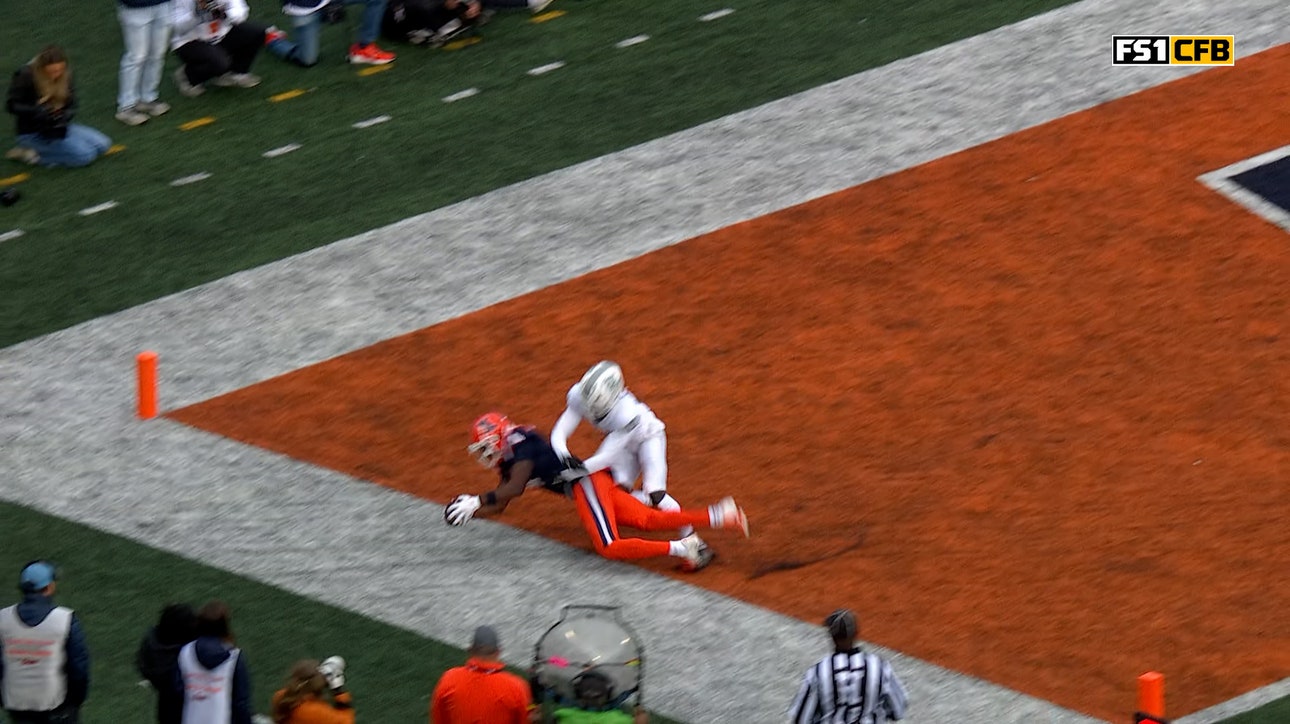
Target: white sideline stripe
(11, 235)
(373, 121)
(629, 42)
(355, 292)
(1221, 181)
(97, 208)
(185, 180)
(281, 150)
(460, 95)
(716, 15)
(541, 69)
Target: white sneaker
(537, 6)
(132, 116)
(725, 514)
(237, 80)
(22, 154)
(697, 554)
(186, 89)
(153, 109)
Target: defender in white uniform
(635, 443)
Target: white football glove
(462, 509)
(333, 670)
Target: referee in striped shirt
(848, 686)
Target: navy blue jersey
(526, 443)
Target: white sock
(676, 548)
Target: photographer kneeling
(217, 44)
(43, 102)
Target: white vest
(208, 693)
(34, 657)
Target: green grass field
(69, 268)
(160, 239)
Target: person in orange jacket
(302, 700)
(482, 690)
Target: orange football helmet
(488, 438)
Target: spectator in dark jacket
(42, 99)
(44, 662)
(158, 658)
(212, 676)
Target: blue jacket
(33, 609)
(142, 3)
(212, 652)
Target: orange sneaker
(369, 55)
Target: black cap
(485, 639)
(841, 624)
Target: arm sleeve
(184, 17)
(804, 704)
(563, 428)
(439, 704)
(21, 100)
(238, 11)
(894, 697)
(77, 668)
(241, 692)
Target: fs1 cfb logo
(1174, 50)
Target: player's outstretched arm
(564, 427)
(465, 507)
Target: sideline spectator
(481, 690)
(306, 20)
(216, 42)
(212, 676)
(301, 701)
(594, 705)
(429, 22)
(145, 28)
(42, 99)
(848, 685)
(44, 662)
(157, 659)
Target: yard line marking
(114, 149)
(98, 208)
(374, 69)
(546, 68)
(715, 15)
(197, 123)
(463, 43)
(14, 179)
(11, 235)
(199, 176)
(546, 16)
(629, 42)
(461, 95)
(287, 95)
(373, 121)
(281, 150)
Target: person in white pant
(635, 443)
(145, 28)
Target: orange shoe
(369, 55)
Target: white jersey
(34, 657)
(635, 441)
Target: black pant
(61, 715)
(233, 54)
